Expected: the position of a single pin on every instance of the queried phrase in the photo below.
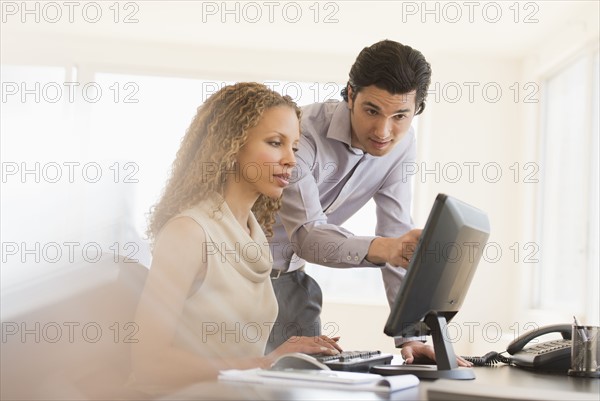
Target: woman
(208, 303)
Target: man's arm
(313, 237)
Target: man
(350, 152)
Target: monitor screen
(439, 273)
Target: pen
(581, 330)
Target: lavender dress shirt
(331, 182)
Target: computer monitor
(436, 283)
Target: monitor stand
(446, 368)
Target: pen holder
(585, 351)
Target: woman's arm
(178, 259)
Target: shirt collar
(339, 128)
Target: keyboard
(355, 361)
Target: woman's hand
(306, 345)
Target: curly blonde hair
(210, 148)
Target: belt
(275, 274)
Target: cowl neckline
(249, 254)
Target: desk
(492, 383)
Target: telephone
(548, 356)
(553, 355)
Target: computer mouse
(297, 360)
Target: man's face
(379, 120)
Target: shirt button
(356, 258)
(348, 257)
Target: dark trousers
(300, 300)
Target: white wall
(476, 140)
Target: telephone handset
(553, 355)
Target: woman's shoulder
(182, 229)
(179, 245)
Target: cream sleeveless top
(233, 310)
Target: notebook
(322, 379)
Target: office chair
(69, 335)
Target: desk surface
(491, 383)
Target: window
(136, 130)
(567, 273)
(33, 121)
(86, 153)
(141, 122)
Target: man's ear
(350, 96)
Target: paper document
(322, 379)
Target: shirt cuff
(355, 250)
(400, 341)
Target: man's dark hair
(391, 66)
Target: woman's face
(265, 162)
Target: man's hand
(395, 251)
(417, 351)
